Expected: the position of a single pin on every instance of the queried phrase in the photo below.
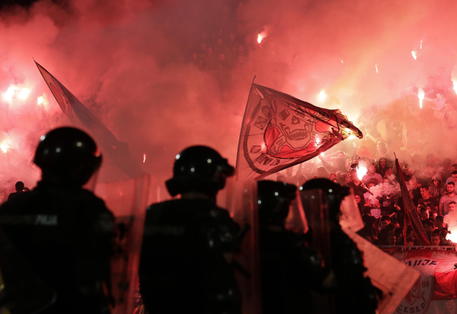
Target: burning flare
(361, 170)
(5, 145)
(16, 92)
(261, 36)
(414, 54)
(421, 96)
(322, 96)
(454, 85)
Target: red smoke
(163, 75)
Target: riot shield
(239, 199)
(350, 219)
(318, 217)
(296, 220)
(127, 200)
(242, 202)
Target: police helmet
(68, 154)
(199, 168)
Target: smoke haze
(166, 74)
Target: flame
(454, 85)
(16, 92)
(361, 170)
(452, 236)
(322, 96)
(421, 96)
(144, 157)
(261, 36)
(414, 54)
(42, 101)
(5, 145)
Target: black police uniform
(289, 270)
(350, 291)
(185, 265)
(63, 232)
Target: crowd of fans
(378, 196)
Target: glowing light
(351, 137)
(16, 92)
(261, 36)
(42, 101)
(317, 141)
(414, 54)
(421, 96)
(341, 61)
(454, 85)
(23, 93)
(361, 170)
(376, 68)
(452, 236)
(144, 157)
(322, 96)
(5, 145)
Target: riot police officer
(347, 289)
(289, 270)
(186, 254)
(63, 231)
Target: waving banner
(79, 114)
(436, 290)
(280, 131)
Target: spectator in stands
(372, 176)
(450, 196)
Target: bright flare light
(42, 101)
(452, 236)
(414, 54)
(361, 170)
(15, 92)
(261, 36)
(144, 157)
(322, 96)
(454, 85)
(5, 145)
(376, 68)
(421, 96)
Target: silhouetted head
(199, 169)
(274, 199)
(67, 155)
(19, 186)
(333, 193)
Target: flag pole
(241, 129)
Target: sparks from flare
(452, 236)
(421, 96)
(16, 92)
(454, 85)
(42, 101)
(322, 96)
(261, 36)
(361, 170)
(5, 145)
